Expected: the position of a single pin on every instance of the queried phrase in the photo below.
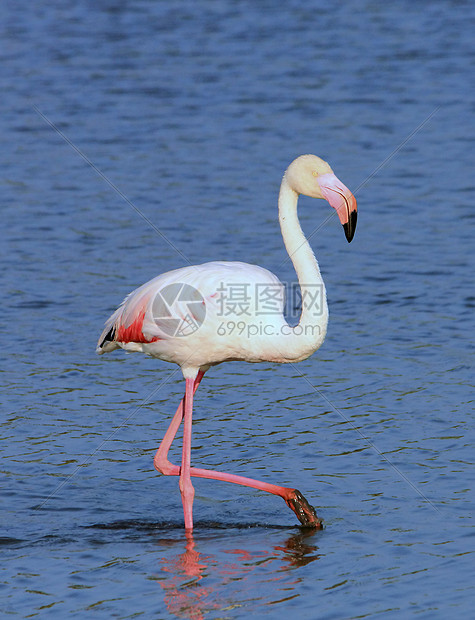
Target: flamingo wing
(126, 325)
(136, 323)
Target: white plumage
(190, 317)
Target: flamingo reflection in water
(194, 582)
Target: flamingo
(185, 317)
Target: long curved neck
(310, 332)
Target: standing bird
(190, 317)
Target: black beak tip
(350, 226)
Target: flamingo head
(311, 176)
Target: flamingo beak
(342, 200)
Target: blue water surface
(136, 137)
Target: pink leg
(160, 461)
(186, 488)
(292, 497)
